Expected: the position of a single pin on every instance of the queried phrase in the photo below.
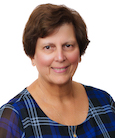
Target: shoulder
(99, 97)
(16, 103)
(96, 92)
(20, 97)
(11, 117)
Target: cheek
(42, 60)
(74, 58)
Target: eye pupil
(68, 45)
(47, 47)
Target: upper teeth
(59, 68)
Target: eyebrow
(71, 41)
(47, 44)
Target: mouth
(60, 69)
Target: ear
(33, 61)
(79, 59)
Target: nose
(60, 55)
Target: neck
(59, 93)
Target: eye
(47, 47)
(68, 45)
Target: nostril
(60, 57)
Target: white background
(97, 67)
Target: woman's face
(57, 55)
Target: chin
(61, 81)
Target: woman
(55, 38)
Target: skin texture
(56, 58)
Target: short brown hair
(45, 19)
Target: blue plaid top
(21, 117)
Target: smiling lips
(60, 69)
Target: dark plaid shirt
(21, 117)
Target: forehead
(63, 33)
